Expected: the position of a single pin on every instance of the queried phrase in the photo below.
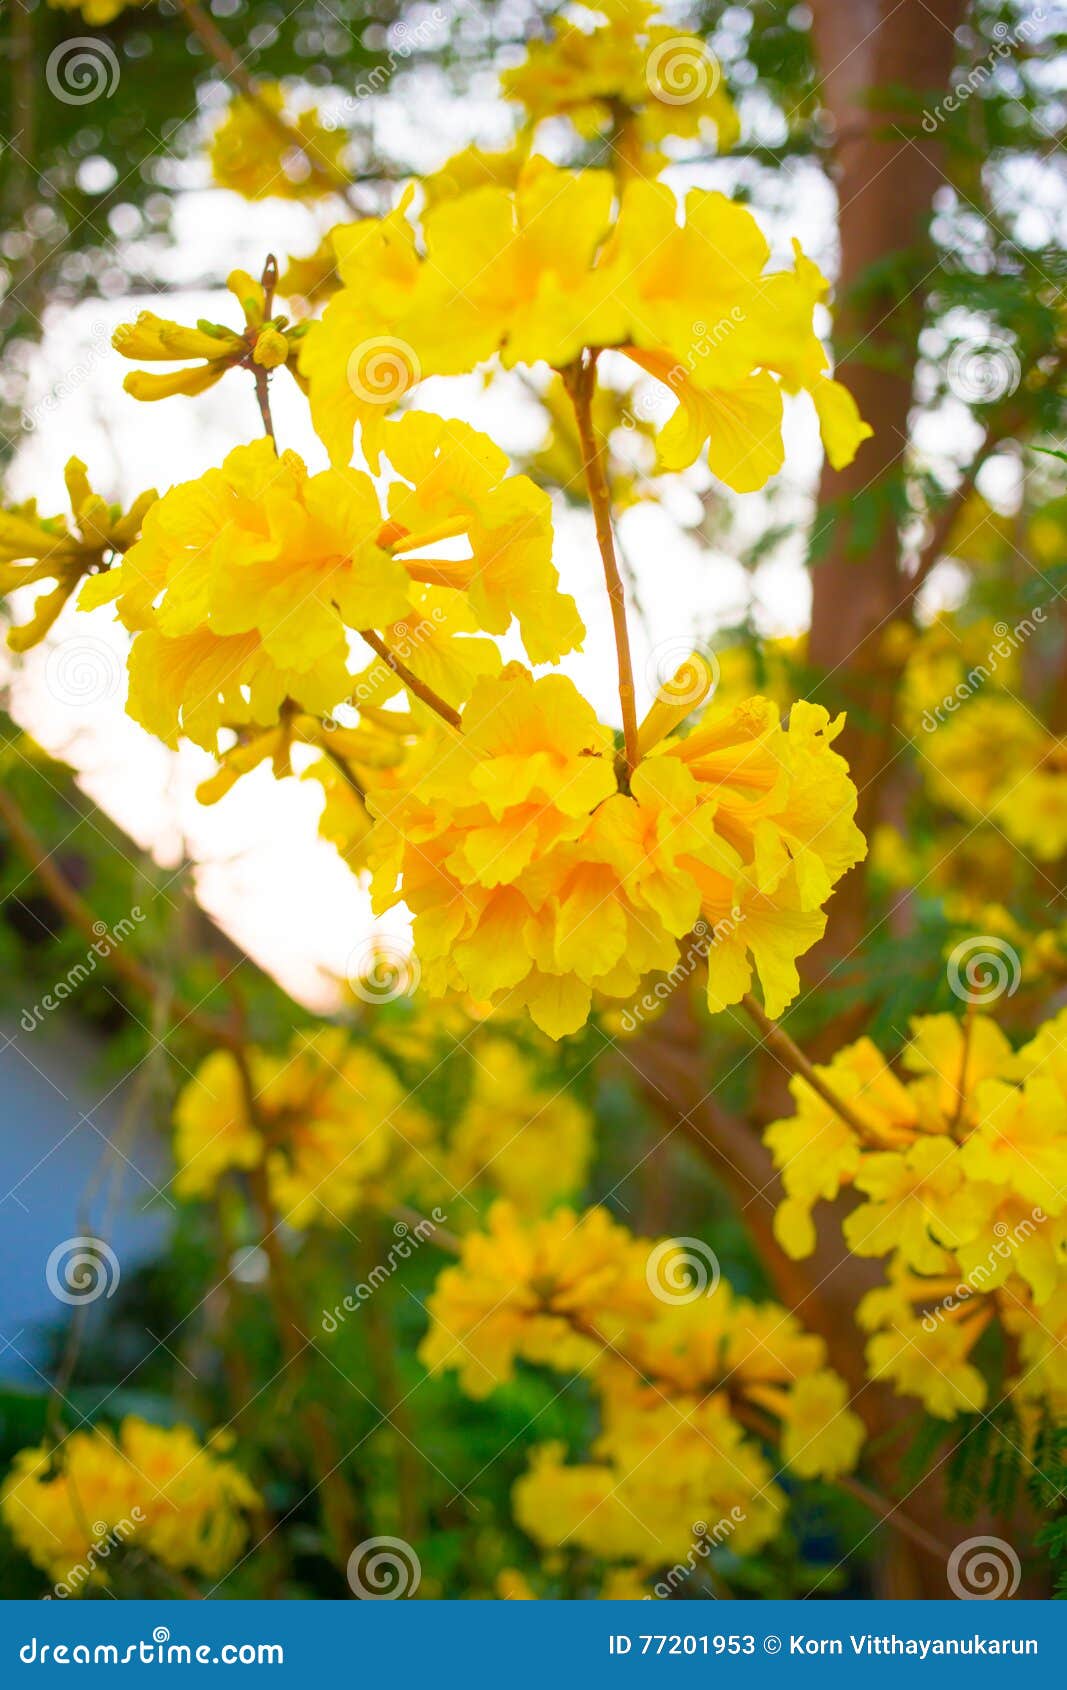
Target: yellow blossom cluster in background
(960, 1163)
(682, 1376)
(149, 1488)
(340, 1125)
(252, 153)
(633, 81)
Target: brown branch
(411, 681)
(338, 1511)
(580, 382)
(778, 1040)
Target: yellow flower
(35, 548)
(530, 1291)
(313, 278)
(821, 1437)
(471, 169)
(95, 12)
(252, 153)
(325, 1119)
(265, 341)
(513, 1586)
(931, 1362)
(1020, 1142)
(818, 1152)
(919, 1199)
(247, 583)
(535, 880)
(533, 276)
(159, 1490)
(632, 79)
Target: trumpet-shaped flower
(540, 273)
(35, 548)
(247, 584)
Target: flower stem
(580, 381)
(337, 1507)
(411, 681)
(779, 1042)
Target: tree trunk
(881, 63)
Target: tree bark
(882, 61)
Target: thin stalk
(580, 381)
(337, 1508)
(410, 680)
(778, 1040)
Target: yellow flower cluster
(535, 879)
(982, 751)
(634, 81)
(323, 1121)
(246, 583)
(36, 548)
(73, 1508)
(263, 152)
(683, 1376)
(961, 1167)
(541, 272)
(432, 1109)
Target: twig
(338, 1512)
(779, 1041)
(580, 382)
(411, 681)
